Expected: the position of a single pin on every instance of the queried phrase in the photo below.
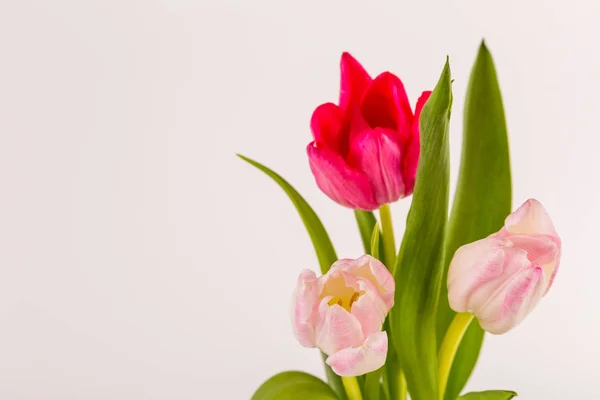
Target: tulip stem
(402, 386)
(389, 243)
(389, 252)
(352, 387)
(452, 339)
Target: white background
(140, 259)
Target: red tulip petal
(338, 181)
(326, 124)
(385, 105)
(354, 81)
(412, 147)
(377, 154)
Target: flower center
(346, 303)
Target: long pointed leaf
(321, 242)
(314, 226)
(483, 196)
(420, 265)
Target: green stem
(389, 249)
(352, 388)
(389, 244)
(449, 347)
(402, 387)
(373, 384)
(397, 382)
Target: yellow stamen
(346, 304)
(335, 300)
(354, 297)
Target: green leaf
(375, 241)
(483, 196)
(294, 385)
(489, 395)
(373, 385)
(366, 221)
(420, 263)
(321, 242)
(316, 231)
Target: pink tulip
(365, 149)
(501, 278)
(342, 313)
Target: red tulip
(365, 150)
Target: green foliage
(489, 395)
(294, 385)
(314, 227)
(321, 242)
(420, 262)
(482, 200)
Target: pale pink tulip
(342, 313)
(501, 278)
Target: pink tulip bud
(342, 313)
(501, 278)
(365, 150)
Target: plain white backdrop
(140, 259)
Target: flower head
(366, 148)
(342, 313)
(501, 278)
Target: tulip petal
(370, 309)
(354, 81)
(304, 302)
(509, 307)
(412, 147)
(336, 328)
(530, 218)
(473, 264)
(385, 105)
(372, 269)
(377, 154)
(493, 281)
(542, 250)
(355, 361)
(337, 180)
(326, 125)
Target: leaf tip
(484, 51)
(243, 157)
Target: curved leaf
(483, 196)
(489, 395)
(314, 226)
(294, 385)
(420, 264)
(321, 242)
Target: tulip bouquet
(410, 320)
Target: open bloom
(365, 149)
(501, 278)
(342, 313)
